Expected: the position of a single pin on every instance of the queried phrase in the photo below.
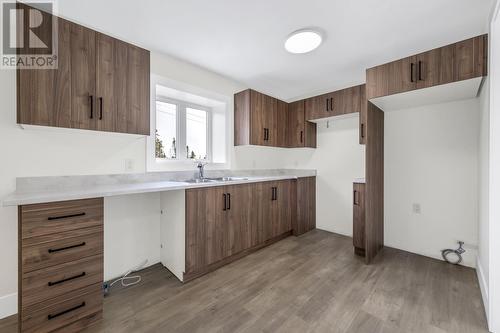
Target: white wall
(431, 157)
(492, 225)
(483, 256)
(131, 232)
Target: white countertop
(58, 193)
(359, 181)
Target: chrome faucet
(201, 169)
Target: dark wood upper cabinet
(301, 133)
(259, 119)
(270, 117)
(319, 106)
(471, 58)
(362, 115)
(83, 79)
(105, 91)
(44, 95)
(280, 127)
(131, 81)
(434, 67)
(455, 62)
(333, 104)
(101, 83)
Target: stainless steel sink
(197, 180)
(227, 179)
(214, 180)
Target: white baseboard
(483, 286)
(8, 305)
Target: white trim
(8, 305)
(483, 286)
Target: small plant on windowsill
(173, 149)
(160, 153)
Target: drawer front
(49, 218)
(41, 285)
(51, 250)
(62, 311)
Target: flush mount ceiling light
(303, 41)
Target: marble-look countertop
(33, 190)
(359, 181)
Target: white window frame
(181, 129)
(222, 105)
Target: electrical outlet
(129, 164)
(416, 208)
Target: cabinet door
(105, 83)
(137, 90)
(470, 58)
(205, 222)
(362, 115)
(296, 124)
(44, 95)
(258, 120)
(265, 206)
(392, 78)
(301, 133)
(402, 75)
(359, 216)
(131, 89)
(242, 123)
(306, 205)
(348, 101)
(322, 106)
(281, 208)
(271, 120)
(83, 78)
(281, 126)
(435, 67)
(239, 222)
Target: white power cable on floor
(125, 277)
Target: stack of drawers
(60, 265)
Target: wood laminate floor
(311, 283)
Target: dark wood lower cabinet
(358, 223)
(237, 229)
(305, 218)
(205, 219)
(227, 222)
(276, 213)
(61, 265)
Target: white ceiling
(243, 40)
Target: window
(182, 130)
(188, 124)
(166, 130)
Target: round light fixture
(303, 41)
